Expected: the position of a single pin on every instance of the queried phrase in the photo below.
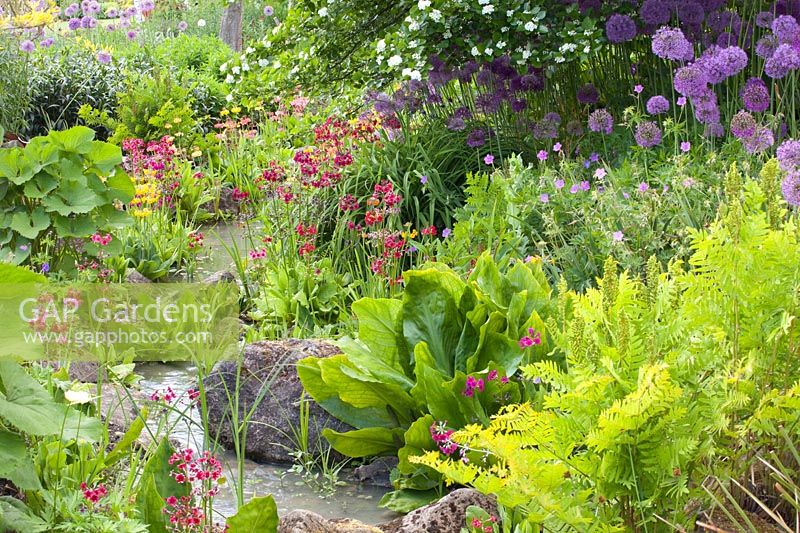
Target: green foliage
(412, 358)
(57, 190)
(259, 514)
(14, 97)
(661, 378)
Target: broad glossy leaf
(14, 166)
(78, 139)
(259, 514)
(41, 184)
(16, 274)
(380, 328)
(367, 442)
(120, 186)
(15, 516)
(76, 226)
(72, 198)
(15, 464)
(104, 156)
(30, 225)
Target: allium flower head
(601, 121)
(655, 12)
(456, 124)
(761, 140)
(788, 154)
(587, 94)
(657, 105)
(691, 80)
(670, 43)
(743, 125)
(727, 62)
(706, 109)
(714, 130)
(620, 28)
(766, 46)
(648, 134)
(476, 138)
(786, 29)
(755, 95)
(690, 12)
(104, 57)
(764, 19)
(74, 24)
(785, 59)
(790, 187)
(27, 46)
(268, 11)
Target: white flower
(587, 49)
(229, 78)
(530, 26)
(201, 23)
(488, 9)
(323, 12)
(526, 54)
(415, 75)
(436, 15)
(236, 69)
(510, 13)
(245, 67)
(229, 98)
(483, 2)
(250, 50)
(447, 34)
(475, 51)
(413, 25)
(501, 45)
(413, 43)
(223, 67)
(381, 46)
(488, 51)
(74, 396)
(424, 4)
(504, 29)
(560, 59)
(276, 64)
(263, 62)
(394, 60)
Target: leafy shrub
(57, 191)
(61, 82)
(14, 98)
(422, 356)
(661, 378)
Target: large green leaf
(74, 226)
(40, 185)
(430, 314)
(367, 442)
(15, 463)
(17, 518)
(15, 167)
(380, 329)
(492, 284)
(259, 514)
(368, 362)
(150, 504)
(28, 406)
(156, 485)
(104, 156)
(72, 197)
(120, 186)
(16, 274)
(30, 225)
(326, 395)
(430, 390)
(78, 139)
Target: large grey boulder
(447, 515)
(268, 365)
(301, 521)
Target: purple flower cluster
(587, 94)
(720, 64)
(743, 125)
(691, 80)
(786, 29)
(655, 12)
(706, 110)
(672, 44)
(759, 141)
(755, 95)
(657, 105)
(785, 59)
(601, 121)
(788, 154)
(620, 28)
(648, 134)
(790, 187)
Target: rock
(308, 522)
(223, 276)
(447, 515)
(377, 472)
(270, 433)
(85, 371)
(118, 409)
(133, 276)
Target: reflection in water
(352, 501)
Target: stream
(351, 500)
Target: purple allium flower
(690, 12)
(112, 13)
(786, 29)
(755, 95)
(620, 28)
(788, 154)
(655, 12)
(27, 46)
(706, 109)
(785, 59)
(686, 146)
(71, 10)
(720, 64)
(519, 105)
(691, 80)
(489, 159)
(617, 236)
(587, 94)
(648, 134)
(183, 26)
(601, 121)
(552, 117)
(657, 105)
(764, 19)
(268, 11)
(761, 140)
(456, 124)
(47, 43)
(476, 138)
(574, 188)
(88, 22)
(542, 155)
(726, 39)
(74, 24)
(131, 35)
(790, 187)
(766, 46)
(574, 128)
(721, 21)
(743, 125)
(714, 130)
(544, 198)
(670, 43)
(558, 184)
(104, 57)
(643, 187)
